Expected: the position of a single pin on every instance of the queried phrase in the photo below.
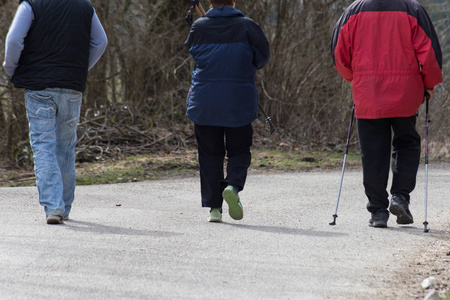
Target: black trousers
(375, 138)
(213, 143)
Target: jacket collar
(223, 12)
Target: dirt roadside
(433, 262)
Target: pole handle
(202, 11)
(199, 10)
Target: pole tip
(334, 220)
(425, 224)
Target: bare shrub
(135, 101)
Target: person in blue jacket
(227, 48)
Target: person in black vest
(227, 48)
(50, 47)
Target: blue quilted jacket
(227, 48)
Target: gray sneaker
(379, 219)
(400, 208)
(55, 219)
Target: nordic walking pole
(268, 120)
(197, 6)
(343, 165)
(427, 122)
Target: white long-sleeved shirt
(21, 25)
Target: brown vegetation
(135, 102)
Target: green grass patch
(301, 161)
(137, 168)
(185, 164)
(179, 165)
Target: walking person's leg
(211, 155)
(69, 105)
(405, 163)
(375, 143)
(41, 113)
(238, 143)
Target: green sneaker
(234, 204)
(215, 215)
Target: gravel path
(150, 240)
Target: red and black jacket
(390, 51)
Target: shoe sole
(53, 221)
(378, 225)
(234, 205)
(214, 220)
(403, 218)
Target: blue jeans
(53, 115)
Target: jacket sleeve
(427, 49)
(17, 33)
(190, 40)
(341, 49)
(98, 41)
(260, 45)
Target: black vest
(56, 49)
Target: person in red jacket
(390, 52)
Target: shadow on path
(419, 231)
(82, 226)
(287, 230)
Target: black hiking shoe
(379, 219)
(400, 208)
